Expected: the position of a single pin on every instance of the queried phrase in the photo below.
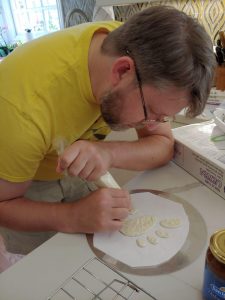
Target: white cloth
(7, 259)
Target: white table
(43, 270)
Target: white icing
(170, 223)
(141, 243)
(152, 240)
(133, 211)
(162, 233)
(137, 226)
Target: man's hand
(102, 210)
(88, 160)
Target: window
(39, 15)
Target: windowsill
(23, 38)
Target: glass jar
(214, 275)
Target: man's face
(111, 107)
(122, 110)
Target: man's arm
(102, 210)
(19, 213)
(90, 160)
(151, 150)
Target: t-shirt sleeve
(21, 145)
(98, 131)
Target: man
(56, 91)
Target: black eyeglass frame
(146, 119)
(128, 52)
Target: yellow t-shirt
(45, 94)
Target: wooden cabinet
(220, 78)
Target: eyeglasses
(146, 120)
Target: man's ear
(122, 68)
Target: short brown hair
(169, 48)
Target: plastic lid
(217, 245)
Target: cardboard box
(200, 150)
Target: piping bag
(105, 180)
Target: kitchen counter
(41, 272)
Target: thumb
(59, 167)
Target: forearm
(25, 215)
(89, 160)
(145, 153)
(101, 210)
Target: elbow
(171, 149)
(165, 154)
(169, 153)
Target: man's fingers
(89, 172)
(68, 156)
(119, 193)
(121, 202)
(115, 225)
(75, 169)
(124, 198)
(120, 213)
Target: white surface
(205, 116)
(125, 249)
(215, 100)
(41, 272)
(123, 176)
(219, 117)
(206, 139)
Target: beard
(111, 108)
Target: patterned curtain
(210, 13)
(86, 6)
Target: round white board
(125, 249)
